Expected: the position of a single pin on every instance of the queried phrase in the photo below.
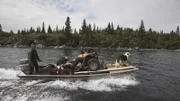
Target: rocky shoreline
(96, 48)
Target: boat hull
(83, 75)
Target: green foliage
(43, 28)
(49, 29)
(38, 30)
(95, 37)
(11, 32)
(94, 28)
(57, 29)
(84, 27)
(142, 28)
(18, 32)
(32, 30)
(0, 28)
(177, 30)
(75, 31)
(110, 28)
(67, 30)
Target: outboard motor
(24, 65)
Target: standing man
(33, 59)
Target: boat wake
(12, 88)
(8, 74)
(107, 84)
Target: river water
(158, 78)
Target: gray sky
(157, 14)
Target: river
(158, 78)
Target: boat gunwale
(88, 75)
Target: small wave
(23, 90)
(56, 98)
(28, 98)
(107, 84)
(30, 83)
(4, 84)
(38, 90)
(8, 73)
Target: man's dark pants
(32, 66)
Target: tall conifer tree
(19, 32)
(38, 29)
(112, 28)
(68, 27)
(177, 30)
(142, 28)
(0, 28)
(94, 28)
(84, 27)
(57, 29)
(109, 28)
(49, 29)
(43, 28)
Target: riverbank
(96, 48)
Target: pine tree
(68, 27)
(38, 29)
(0, 28)
(172, 35)
(57, 29)
(49, 29)
(161, 32)
(75, 32)
(84, 27)
(11, 32)
(27, 31)
(118, 28)
(177, 30)
(90, 28)
(142, 28)
(31, 30)
(94, 28)
(90, 36)
(141, 35)
(54, 31)
(150, 30)
(109, 28)
(80, 31)
(43, 28)
(172, 32)
(112, 28)
(63, 30)
(19, 32)
(97, 29)
(22, 32)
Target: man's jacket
(33, 56)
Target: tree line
(93, 36)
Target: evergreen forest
(92, 36)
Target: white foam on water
(8, 73)
(5, 84)
(26, 89)
(26, 97)
(21, 98)
(22, 93)
(30, 83)
(107, 84)
(54, 98)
